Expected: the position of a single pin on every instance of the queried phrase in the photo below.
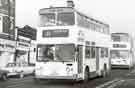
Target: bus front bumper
(74, 77)
(120, 66)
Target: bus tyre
(36, 80)
(104, 72)
(4, 77)
(33, 73)
(86, 75)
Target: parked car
(20, 69)
(3, 74)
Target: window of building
(1, 53)
(0, 3)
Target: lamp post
(16, 37)
(9, 17)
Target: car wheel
(36, 80)
(4, 77)
(104, 72)
(33, 73)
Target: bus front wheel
(104, 72)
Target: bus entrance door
(97, 59)
(80, 59)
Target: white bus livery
(71, 45)
(121, 52)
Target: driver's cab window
(46, 53)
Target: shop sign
(23, 43)
(23, 46)
(7, 45)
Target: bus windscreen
(60, 52)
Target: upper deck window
(83, 22)
(91, 24)
(47, 19)
(66, 19)
(57, 17)
(120, 38)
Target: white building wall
(1, 24)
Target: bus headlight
(68, 69)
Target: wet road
(119, 78)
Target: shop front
(7, 51)
(32, 56)
(22, 50)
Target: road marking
(15, 86)
(25, 78)
(19, 81)
(107, 83)
(116, 84)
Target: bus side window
(93, 52)
(87, 52)
(106, 52)
(79, 57)
(102, 52)
(34, 50)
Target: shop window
(0, 3)
(0, 53)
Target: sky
(119, 14)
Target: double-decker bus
(71, 45)
(122, 50)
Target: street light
(11, 13)
(16, 37)
(8, 18)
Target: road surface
(119, 78)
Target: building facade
(25, 45)
(7, 51)
(7, 24)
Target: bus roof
(69, 9)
